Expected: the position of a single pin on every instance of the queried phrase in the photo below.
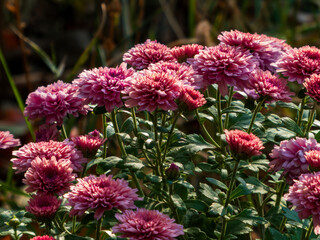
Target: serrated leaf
(216, 209)
(237, 227)
(127, 126)
(95, 161)
(250, 217)
(273, 233)
(233, 109)
(110, 162)
(196, 233)
(256, 186)
(241, 190)
(217, 183)
(288, 105)
(197, 204)
(110, 130)
(207, 191)
(179, 203)
(292, 125)
(291, 214)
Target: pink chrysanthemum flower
(313, 158)
(89, 144)
(191, 98)
(147, 224)
(242, 144)
(299, 63)
(49, 176)
(44, 237)
(305, 196)
(43, 206)
(55, 102)
(103, 86)
(182, 53)
(7, 140)
(141, 55)
(60, 150)
(312, 85)
(290, 156)
(47, 133)
(224, 65)
(265, 49)
(264, 84)
(100, 194)
(149, 90)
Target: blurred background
(43, 41)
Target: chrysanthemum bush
(249, 170)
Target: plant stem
(226, 121)
(104, 122)
(309, 231)
(220, 124)
(310, 120)
(280, 193)
(63, 131)
(74, 221)
(225, 207)
(283, 224)
(98, 229)
(303, 102)
(255, 112)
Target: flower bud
(173, 172)
(14, 222)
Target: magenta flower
(100, 194)
(149, 90)
(49, 176)
(89, 144)
(141, 55)
(191, 99)
(264, 84)
(7, 140)
(242, 144)
(43, 206)
(147, 224)
(290, 156)
(312, 84)
(44, 237)
(299, 63)
(182, 53)
(305, 197)
(224, 65)
(265, 49)
(313, 158)
(60, 150)
(47, 133)
(55, 102)
(103, 86)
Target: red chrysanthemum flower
(147, 224)
(49, 176)
(141, 55)
(182, 53)
(224, 65)
(305, 197)
(89, 144)
(313, 158)
(55, 102)
(60, 150)
(299, 63)
(43, 206)
(312, 85)
(264, 84)
(103, 86)
(7, 140)
(100, 194)
(242, 144)
(149, 90)
(191, 99)
(290, 156)
(44, 237)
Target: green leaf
(241, 190)
(250, 217)
(179, 203)
(236, 227)
(256, 186)
(288, 105)
(95, 161)
(233, 109)
(207, 191)
(291, 214)
(274, 119)
(292, 125)
(216, 209)
(127, 126)
(196, 233)
(133, 163)
(273, 233)
(197, 204)
(110, 162)
(110, 130)
(197, 143)
(76, 237)
(217, 183)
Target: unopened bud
(14, 222)
(173, 172)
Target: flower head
(182, 53)
(100, 194)
(290, 156)
(191, 98)
(242, 144)
(7, 140)
(60, 150)
(44, 237)
(55, 102)
(223, 65)
(149, 90)
(313, 158)
(43, 206)
(304, 194)
(312, 84)
(103, 86)
(141, 55)
(299, 63)
(89, 144)
(47, 133)
(147, 224)
(264, 84)
(49, 176)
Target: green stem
(231, 184)
(134, 118)
(63, 131)
(205, 131)
(98, 229)
(16, 94)
(158, 150)
(310, 120)
(255, 112)
(169, 136)
(74, 221)
(283, 224)
(309, 231)
(220, 124)
(303, 102)
(280, 193)
(104, 122)
(226, 121)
